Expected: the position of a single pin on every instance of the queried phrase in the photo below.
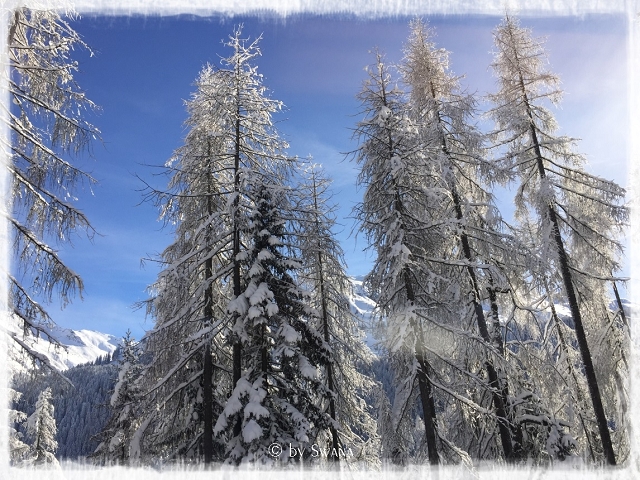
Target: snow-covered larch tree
(550, 407)
(452, 144)
(115, 437)
(397, 215)
(189, 298)
(579, 217)
(323, 274)
(197, 353)
(42, 431)
(47, 125)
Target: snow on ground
(82, 346)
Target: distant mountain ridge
(363, 307)
(80, 347)
(85, 346)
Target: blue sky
(144, 67)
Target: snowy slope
(363, 306)
(82, 346)
(360, 301)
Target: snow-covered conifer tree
(17, 448)
(47, 125)
(115, 437)
(399, 216)
(276, 398)
(190, 296)
(578, 216)
(323, 274)
(41, 428)
(451, 143)
(197, 354)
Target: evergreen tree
(550, 401)
(197, 353)
(578, 215)
(397, 216)
(115, 437)
(276, 399)
(189, 298)
(80, 413)
(41, 428)
(17, 448)
(451, 143)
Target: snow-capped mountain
(363, 306)
(80, 346)
(83, 346)
(360, 300)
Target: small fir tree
(42, 430)
(18, 449)
(115, 437)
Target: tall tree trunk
(325, 327)
(426, 395)
(237, 288)
(565, 348)
(565, 270)
(207, 387)
(592, 383)
(620, 307)
(498, 392)
(207, 406)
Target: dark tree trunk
(565, 270)
(592, 383)
(426, 395)
(565, 348)
(237, 288)
(207, 406)
(499, 392)
(620, 307)
(325, 326)
(581, 336)
(207, 387)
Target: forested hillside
(80, 411)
